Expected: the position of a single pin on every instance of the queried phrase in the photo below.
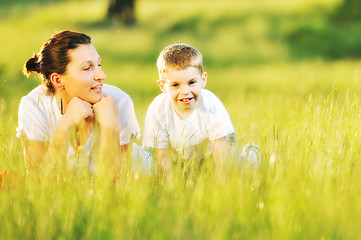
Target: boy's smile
(186, 100)
(183, 88)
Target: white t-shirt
(39, 115)
(163, 128)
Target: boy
(185, 115)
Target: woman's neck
(62, 100)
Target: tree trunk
(122, 11)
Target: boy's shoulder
(160, 104)
(208, 94)
(210, 102)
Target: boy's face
(183, 88)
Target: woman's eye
(86, 69)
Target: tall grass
(304, 115)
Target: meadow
(301, 105)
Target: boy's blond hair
(179, 56)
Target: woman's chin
(96, 98)
(93, 100)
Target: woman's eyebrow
(86, 62)
(90, 61)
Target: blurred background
(253, 49)
(287, 71)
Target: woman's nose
(100, 75)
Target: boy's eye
(192, 82)
(175, 85)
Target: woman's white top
(163, 128)
(39, 115)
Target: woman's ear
(56, 81)
(204, 79)
(161, 85)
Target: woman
(73, 112)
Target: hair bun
(31, 65)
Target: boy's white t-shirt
(163, 128)
(39, 114)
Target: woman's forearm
(109, 149)
(59, 142)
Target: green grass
(304, 113)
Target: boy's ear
(161, 85)
(56, 81)
(204, 79)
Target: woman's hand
(77, 111)
(106, 113)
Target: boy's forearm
(161, 157)
(220, 151)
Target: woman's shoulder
(38, 105)
(37, 94)
(41, 89)
(115, 92)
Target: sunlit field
(300, 107)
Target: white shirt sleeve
(32, 120)
(155, 128)
(127, 120)
(128, 123)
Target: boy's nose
(184, 89)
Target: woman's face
(84, 76)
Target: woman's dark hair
(53, 56)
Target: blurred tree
(337, 37)
(122, 11)
(348, 11)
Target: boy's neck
(183, 115)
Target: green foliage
(348, 11)
(309, 41)
(304, 115)
(330, 34)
